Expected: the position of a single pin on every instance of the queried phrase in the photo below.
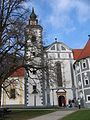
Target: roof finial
(33, 9)
(89, 37)
(55, 39)
(33, 16)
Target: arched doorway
(61, 101)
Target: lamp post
(53, 96)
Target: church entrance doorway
(61, 101)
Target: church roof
(76, 53)
(56, 42)
(82, 53)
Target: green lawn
(26, 114)
(79, 115)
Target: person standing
(79, 103)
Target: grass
(27, 114)
(78, 115)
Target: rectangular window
(84, 65)
(34, 87)
(88, 98)
(86, 81)
(12, 94)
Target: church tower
(35, 84)
(33, 36)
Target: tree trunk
(0, 94)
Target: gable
(58, 47)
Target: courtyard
(49, 114)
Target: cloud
(66, 12)
(82, 10)
(26, 5)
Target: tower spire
(33, 16)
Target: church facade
(60, 73)
(52, 81)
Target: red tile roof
(19, 73)
(82, 53)
(76, 53)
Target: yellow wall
(19, 88)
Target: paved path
(54, 116)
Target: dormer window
(53, 47)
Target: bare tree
(55, 75)
(13, 17)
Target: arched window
(59, 74)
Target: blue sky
(66, 20)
